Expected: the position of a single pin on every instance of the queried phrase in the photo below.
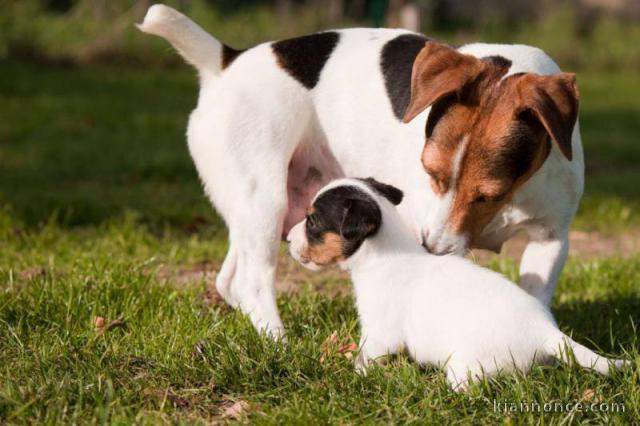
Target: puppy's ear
(362, 219)
(391, 193)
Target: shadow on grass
(606, 325)
(82, 146)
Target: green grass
(99, 196)
(178, 360)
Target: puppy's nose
(426, 246)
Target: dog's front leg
(542, 261)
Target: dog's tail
(192, 42)
(561, 347)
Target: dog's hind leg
(257, 257)
(255, 218)
(226, 275)
(242, 146)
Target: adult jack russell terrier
(276, 122)
(443, 310)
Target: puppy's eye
(311, 223)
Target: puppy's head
(342, 216)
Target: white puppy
(443, 310)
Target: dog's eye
(435, 178)
(482, 199)
(438, 181)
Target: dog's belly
(311, 167)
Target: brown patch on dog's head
(486, 134)
(338, 223)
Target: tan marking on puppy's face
(325, 252)
(505, 123)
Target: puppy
(443, 310)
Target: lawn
(102, 216)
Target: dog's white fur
(252, 117)
(444, 310)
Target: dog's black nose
(426, 246)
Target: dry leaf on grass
(31, 273)
(100, 325)
(348, 350)
(330, 341)
(589, 395)
(237, 410)
(333, 344)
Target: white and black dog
(441, 310)
(276, 122)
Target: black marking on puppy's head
(304, 57)
(229, 54)
(390, 192)
(396, 62)
(338, 223)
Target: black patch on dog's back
(304, 57)
(346, 211)
(396, 62)
(229, 54)
(498, 60)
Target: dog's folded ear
(362, 219)
(439, 71)
(553, 99)
(390, 192)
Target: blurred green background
(93, 112)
